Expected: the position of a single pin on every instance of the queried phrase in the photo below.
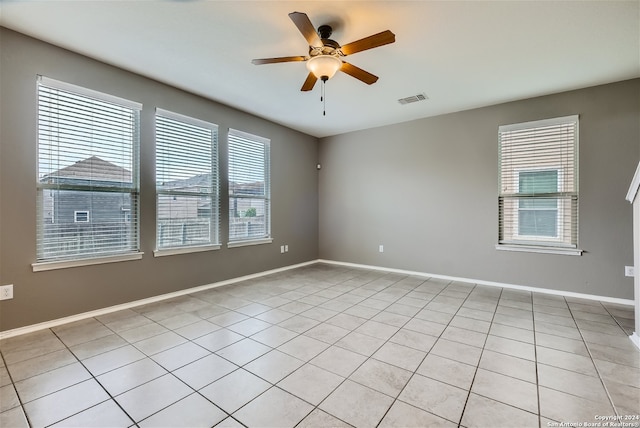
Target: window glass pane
(184, 158)
(249, 203)
(538, 217)
(246, 167)
(534, 182)
(85, 222)
(537, 182)
(184, 220)
(186, 181)
(87, 173)
(247, 218)
(538, 222)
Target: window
(126, 214)
(538, 201)
(81, 216)
(87, 173)
(249, 189)
(186, 183)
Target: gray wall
(427, 190)
(49, 295)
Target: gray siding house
(75, 217)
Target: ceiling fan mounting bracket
(325, 31)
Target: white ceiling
(460, 54)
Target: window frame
(266, 238)
(50, 262)
(534, 243)
(214, 218)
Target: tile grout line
(111, 397)
(170, 372)
(211, 353)
(13, 385)
(367, 357)
(272, 348)
(595, 366)
(317, 407)
(615, 319)
(428, 352)
(274, 385)
(387, 341)
(475, 373)
(535, 356)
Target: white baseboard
(627, 302)
(635, 339)
(53, 323)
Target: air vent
(413, 99)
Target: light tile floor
(327, 346)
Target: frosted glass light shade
(324, 66)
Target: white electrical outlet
(286, 248)
(629, 271)
(381, 248)
(282, 249)
(6, 292)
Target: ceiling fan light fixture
(324, 66)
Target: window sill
(184, 250)
(539, 249)
(247, 243)
(63, 264)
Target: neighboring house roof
(254, 188)
(92, 168)
(202, 180)
(97, 169)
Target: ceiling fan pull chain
(323, 98)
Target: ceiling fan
(325, 55)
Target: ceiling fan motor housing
(329, 46)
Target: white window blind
(87, 173)
(249, 187)
(538, 201)
(186, 181)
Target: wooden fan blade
(370, 42)
(276, 60)
(301, 20)
(358, 73)
(309, 83)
